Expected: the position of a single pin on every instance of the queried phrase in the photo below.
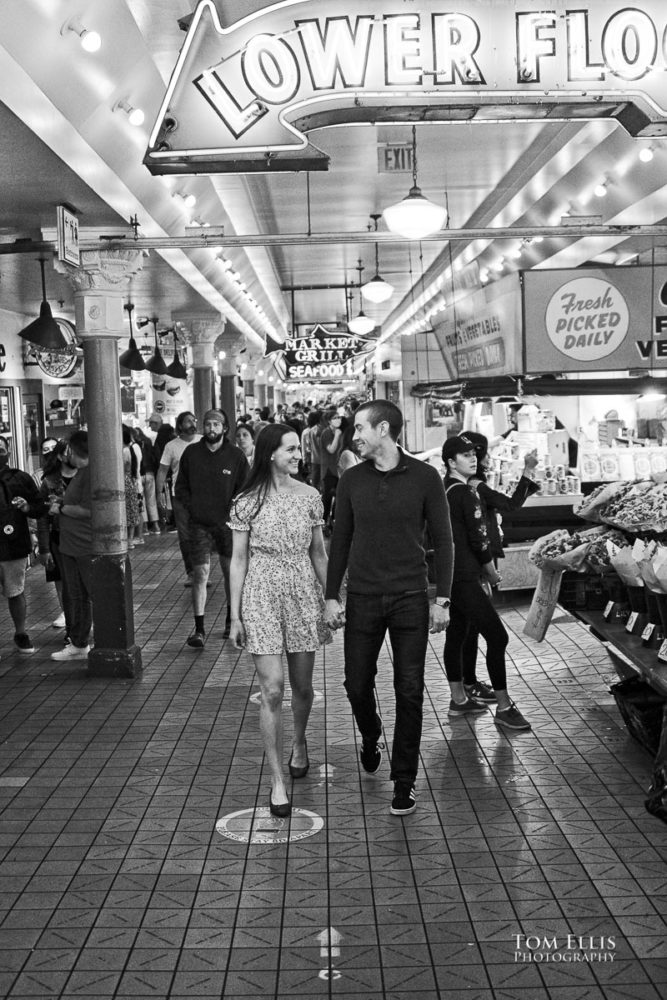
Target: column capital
(99, 284)
(103, 270)
(200, 331)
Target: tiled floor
(138, 858)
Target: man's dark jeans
(77, 573)
(367, 620)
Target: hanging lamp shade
(377, 289)
(176, 369)
(415, 217)
(44, 332)
(131, 358)
(361, 324)
(156, 363)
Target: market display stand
(540, 515)
(629, 650)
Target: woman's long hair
(258, 482)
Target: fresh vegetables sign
(606, 319)
(246, 90)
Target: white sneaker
(71, 653)
(59, 622)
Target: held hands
(237, 633)
(21, 504)
(334, 614)
(491, 574)
(438, 618)
(530, 461)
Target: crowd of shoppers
(263, 495)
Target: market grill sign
(319, 355)
(245, 91)
(595, 319)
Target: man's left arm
(436, 511)
(36, 505)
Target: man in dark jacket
(471, 606)
(211, 473)
(19, 500)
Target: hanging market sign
(595, 319)
(479, 334)
(245, 91)
(319, 355)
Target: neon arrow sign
(244, 93)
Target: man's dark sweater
(14, 483)
(381, 518)
(209, 480)
(472, 549)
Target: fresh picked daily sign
(245, 91)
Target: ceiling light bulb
(190, 200)
(91, 41)
(600, 190)
(646, 154)
(135, 116)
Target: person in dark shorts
(212, 471)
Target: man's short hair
(78, 442)
(381, 409)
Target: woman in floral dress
(277, 578)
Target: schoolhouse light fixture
(377, 289)
(415, 217)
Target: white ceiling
(62, 142)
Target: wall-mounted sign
(245, 91)
(67, 229)
(595, 319)
(320, 355)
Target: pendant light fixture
(156, 364)
(361, 324)
(415, 217)
(44, 332)
(377, 289)
(176, 369)
(131, 358)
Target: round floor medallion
(258, 826)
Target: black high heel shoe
(281, 811)
(299, 772)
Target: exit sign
(395, 159)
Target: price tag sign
(609, 607)
(647, 634)
(662, 652)
(632, 621)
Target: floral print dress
(282, 605)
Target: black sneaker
(371, 755)
(197, 640)
(468, 707)
(511, 718)
(23, 643)
(480, 691)
(404, 800)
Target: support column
(99, 285)
(230, 345)
(202, 332)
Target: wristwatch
(442, 602)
